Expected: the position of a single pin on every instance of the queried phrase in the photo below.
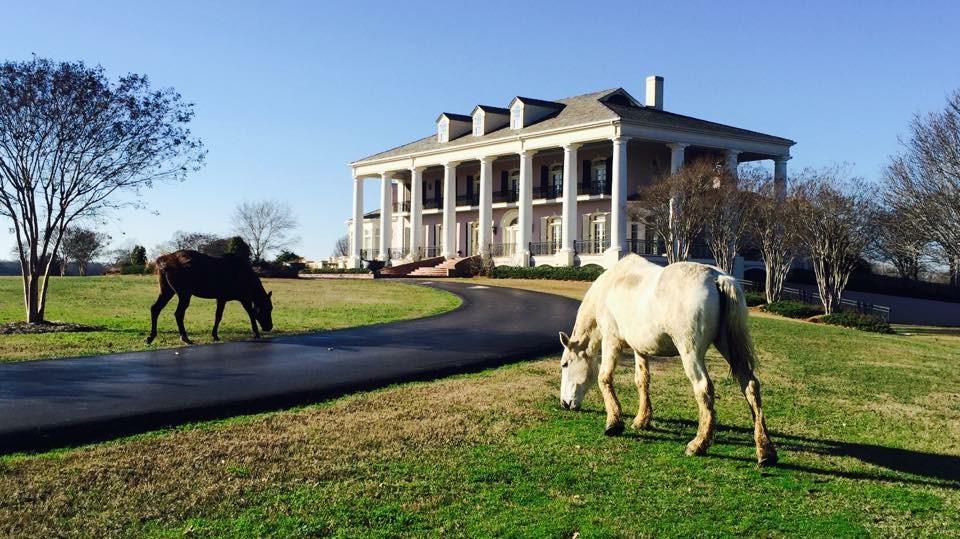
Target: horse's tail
(734, 333)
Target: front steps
(447, 268)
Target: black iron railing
(503, 249)
(468, 200)
(432, 203)
(369, 254)
(401, 206)
(646, 247)
(594, 188)
(544, 248)
(510, 195)
(591, 247)
(550, 191)
(396, 253)
(812, 297)
(431, 251)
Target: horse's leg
(218, 317)
(183, 301)
(166, 293)
(641, 377)
(253, 321)
(608, 363)
(696, 370)
(750, 386)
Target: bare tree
(923, 183)
(70, 139)
(837, 220)
(676, 206)
(729, 216)
(773, 228)
(82, 245)
(342, 247)
(208, 244)
(265, 226)
(901, 243)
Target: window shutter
(504, 181)
(544, 223)
(587, 175)
(609, 165)
(470, 186)
(544, 178)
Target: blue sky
(287, 93)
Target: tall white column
(618, 196)
(569, 211)
(386, 215)
(525, 203)
(416, 213)
(677, 155)
(486, 204)
(449, 210)
(356, 239)
(731, 162)
(780, 176)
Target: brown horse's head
(263, 311)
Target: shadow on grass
(934, 469)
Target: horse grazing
(190, 273)
(662, 311)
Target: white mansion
(538, 182)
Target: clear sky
(288, 93)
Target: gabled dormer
(526, 111)
(451, 126)
(487, 119)
(621, 97)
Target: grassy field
(866, 425)
(120, 305)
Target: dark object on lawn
(24, 328)
(375, 266)
(191, 273)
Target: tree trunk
(31, 298)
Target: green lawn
(121, 306)
(866, 426)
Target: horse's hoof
(186, 340)
(767, 458)
(149, 340)
(216, 338)
(641, 424)
(614, 430)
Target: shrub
(136, 269)
(793, 309)
(755, 298)
(590, 272)
(863, 322)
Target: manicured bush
(590, 272)
(755, 298)
(863, 322)
(793, 309)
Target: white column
(569, 212)
(486, 204)
(357, 224)
(416, 213)
(731, 162)
(449, 210)
(386, 215)
(618, 196)
(676, 156)
(780, 176)
(525, 203)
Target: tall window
(600, 171)
(515, 180)
(556, 179)
(478, 124)
(516, 117)
(442, 126)
(555, 232)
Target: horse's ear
(564, 340)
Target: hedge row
(755, 298)
(793, 309)
(590, 272)
(335, 270)
(863, 322)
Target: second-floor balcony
(594, 187)
(548, 191)
(470, 199)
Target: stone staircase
(447, 268)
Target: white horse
(662, 311)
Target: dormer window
(443, 130)
(516, 116)
(478, 124)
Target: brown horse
(190, 273)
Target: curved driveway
(51, 403)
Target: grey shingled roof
(581, 109)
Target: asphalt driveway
(52, 403)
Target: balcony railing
(431, 251)
(401, 206)
(646, 247)
(468, 200)
(503, 249)
(369, 254)
(396, 253)
(550, 191)
(591, 247)
(432, 203)
(544, 248)
(510, 195)
(594, 188)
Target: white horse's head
(577, 370)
